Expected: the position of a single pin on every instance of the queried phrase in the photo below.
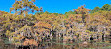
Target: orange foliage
(30, 42)
(42, 24)
(40, 30)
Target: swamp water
(59, 44)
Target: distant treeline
(105, 7)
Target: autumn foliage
(24, 24)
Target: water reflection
(59, 44)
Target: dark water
(58, 44)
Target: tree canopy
(81, 23)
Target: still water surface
(59, 44)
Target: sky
(58, 6)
